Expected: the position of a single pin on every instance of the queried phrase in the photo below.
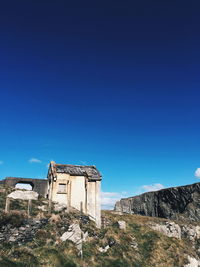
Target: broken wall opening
(24, 185)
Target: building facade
(77, 187)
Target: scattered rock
(75, 235)
(172, 229)
(46, 202)
(133, 243)
(103, 250)
(111, 242)
(191, 232)
(60, 207)
(24, 195)
(42, 208)
(192, 262)
(12, 239)
(106, 222)
(23, 234)
(122, 225)
(169, 229)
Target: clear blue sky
(109, 83)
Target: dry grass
(46, 249)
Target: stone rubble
(43, 208)
(103, 250)
(60, 207)
(172, 229)
(23, 234)
(169, 229)
(133, 243)
(76, 235)
(122, 225)
(191, 232)
(192, 262)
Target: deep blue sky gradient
(109, 83)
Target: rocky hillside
(181, 202)
(62, 239)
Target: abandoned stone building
(75, 186)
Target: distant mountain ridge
(182, 202)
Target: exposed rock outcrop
(169, 229)
(192, 262)
(181, 202)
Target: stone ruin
(70, 186)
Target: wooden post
(29, 207)
(7, 207)
(49, 207)
(81, 206)
(86, 196)
(68, 196)
(103, 219)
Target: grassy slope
(154, 249)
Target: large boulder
(122, 225)
(76, 235)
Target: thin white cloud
(197, 173)
(109, 194)
(152, 187)
(108, 199)
(34, 160)
(82, 162)
(1, 162)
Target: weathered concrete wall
(75, 191)
(80, 193)
(91, 196)
(98, 203)
(78, 196)
(55, 194)
(39, 185)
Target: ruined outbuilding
(74, 186)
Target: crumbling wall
(39, 185)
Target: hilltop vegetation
(36, 241)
